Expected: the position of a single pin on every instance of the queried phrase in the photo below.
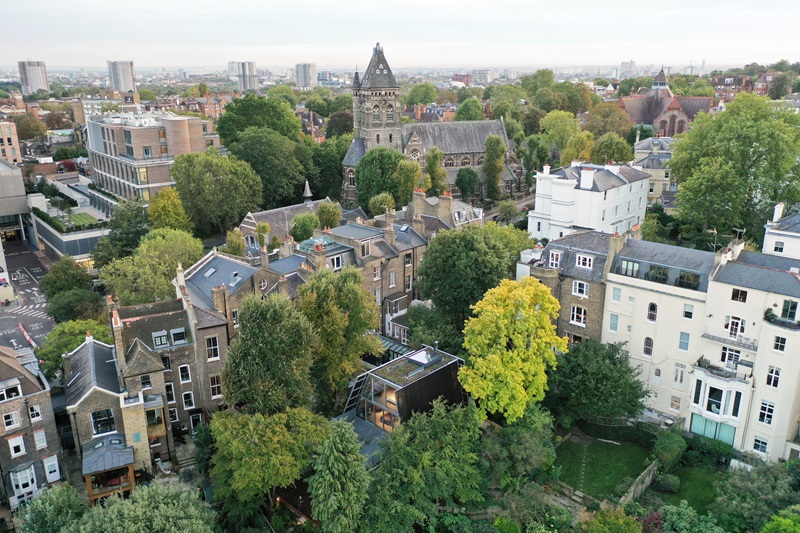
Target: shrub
(634, 509)
(623, 487)
(504, 524)
(668, 449)
(703, 451)
(666, 483)
(593, 506)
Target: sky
(415, 33)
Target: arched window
(663, 127)
(390, 138)
(648, 346)
(671, 126)
(449, 162)
(390, 115)
(681, 125)
(480, 160)
(376, 114)
(465, 162)
(415, 154)
(652, 312)
(351, 178)
(378, 138)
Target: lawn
(697, 487)
(607, 465)
(82, 219)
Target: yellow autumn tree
(511, 341)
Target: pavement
(30, 308)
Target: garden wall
(640, 485)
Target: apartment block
(306, 74)
(9, 143)
(121, 76)
(33, 75)
(247, 76)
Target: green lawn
(81, 219)
(697, 487)
(606, 465)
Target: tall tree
(534, 154)
(282, 92)
(713, 196)
(786, 521)
(303, 226)
(343, 102)
(166, 211)
(608, 117)
(329, 214)
(127, 226)
(327, 158)
(467, 182)
(268, 368)
(579, 148)
(541, 79)
(471, 109)
(381, 203)
(511, 342)
(435, 172)
(252, 110)
(421, 93)
(682, 518)
(29, 127)
(558, 127)
(64, 275)
(530, 120)
(374, 174)
(611, 147)
(493, 166)
(75, 304)
(780, 86)
(234, 242)
(217, 191)
(407, 177)
(53, 509)
(64, 338)
(339, 485)
(339, 123)
(343, 314)
(548, 100)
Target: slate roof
(280, 219)
(354, 153)
(106, 453)
(208, 318)
(213, 271)
(604, 179)
(654, 161)
(140, 359)
(356, 232)
(11, 368)
(760, 278)
(378, 74)
(289, 264)
(352, 215)
(646, 109)
(789, 224)
(94, 364)
(662, 144)
(139, 322)
(462, 137)
(164, 306)
(668, 255)
(593, 243)
(407, 238)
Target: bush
(703, 451)
(666, 483)
(623, 487)
(593, 506)
(504, 524)
(634, 509)
(668, 449)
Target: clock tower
(376, 105)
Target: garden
(599, 468)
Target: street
(26, 272)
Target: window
(170, 390)
(688, 311)
(778, 247)
(376, 273)
(377, 294)
(51, 469)
(465, 161)
(408, 282)
(147, 151)
(677, 377)
(166, 362)
(173, 415)
(773, 376)
(652, 312)
(212, 348)
(574, 339)
(188, 400)
(216, 386)
(185, 373)
(414, 155)
(766, 412)
(760, 445)
(603, 216)
(555, 259)
(146, 382)
(390, 117)
(40, 439)
(17, 446)
(675, 403)
(449, 163)
(103, 422)
(739, 295)
(683, 343)
(11, 420)
(789, 310)
(10, 392)
(336, 263)
(392, 279)
(365, 250)
(35, 413)
(178, 336)
(160, 339)
(647, 349)
(779, 344)
(688, 280)
(480, 161)
(409, 260)
(578, 316)
(629, 268)
(730, 357)
(616, 294)
(235, 318)
(580, 288)
(658, 274)
(734, 325)
(376, 114)
(583, 261)
(351, 178)
(613, 322)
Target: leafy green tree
(64, 275)
(682, 518)
(644, 131)
(258, 111)
(327, 158)
(508, 211)
(579, 148)
(786, 521)
(780, 86)
(64, 338)
(75, 304)
(407, 177)
(329, 214)
(166, 211)
(317, 105)
(381, 203)
(53, 509)
(534, 154)
(668, 449)
(493, 166)
(471, 109)
(146, 94)
(602, 367)
(127, 226)
(282, 92)
(429, 468)
(530, 120)
(611, 147)
(339, 485)
(343, 102)
(217, 191)
(157, 507)
(234, 242)
(29, 127)
(206, 447)
(375, 172)
(511, 341)
(630, 86)
(611, 521)
(608, 117)
(343, 314)
(548, 100)
(421, 93)
(541, 79)
(339, 123)
(429, 325)
(558, 126)
(652, 228)
(303, 226)
(701, 203)
(70, 152)
(577, 96)
(268, 368)
(467, 182)
(435, 171)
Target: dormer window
(365, 249)
(10, 392)
(178, 336)
(336, 263)
(583, 261)
(160, 339)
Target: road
(26, 273)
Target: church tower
(376, 105)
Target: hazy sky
(338, 33)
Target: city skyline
(517, 35)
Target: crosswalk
(36, 310)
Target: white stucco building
(782, 236)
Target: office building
(306, 74)
(33, 75)
(247, 76)
(120, 75)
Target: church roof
(354, 153)
(646, 109)
(378, 74)
(463, 137)
(662, 77)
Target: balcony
(745, 343)
(730, 372)
(775, 320)
(161, 158)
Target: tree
(467, 182)
(75, 304)
(303, 226)
(57, 121)
(69, 152)
(146, 94)
(343, 314)
(548, 100)
(329, 214)
(343, 102)
(339, 123)
(682, 518)
(780, 86)
(435, 171)
(644, 131)
(508, 211)
(579, 148)
(761, 144)
(127, 226)
(381, 203)
(493, 166)
(257, 453)
(252, 110)
(407, 177)
(534, 154)
(316, 104)
(157, 507)
(206, 448)
(53, 509)
(429, 467)
(577, 96)
(375, 172)
(611, 147)
(166, 211)
(787, 521)
(268, 368)
(29, 127)
(608, 117)
(284, 92)
(530, 120)
(465, 93)
(558, 127)
(339, 485)
(602, 367)
(217, 191)
(64, 338)
(421, 93)
(64, 275)
(541, 79)
(327, 158)
(652, 228)
(611, 521)
(471, 109)
(234, 242)
(511, 341)
(429, 326)
(701, 202)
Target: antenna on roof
(739, 232)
